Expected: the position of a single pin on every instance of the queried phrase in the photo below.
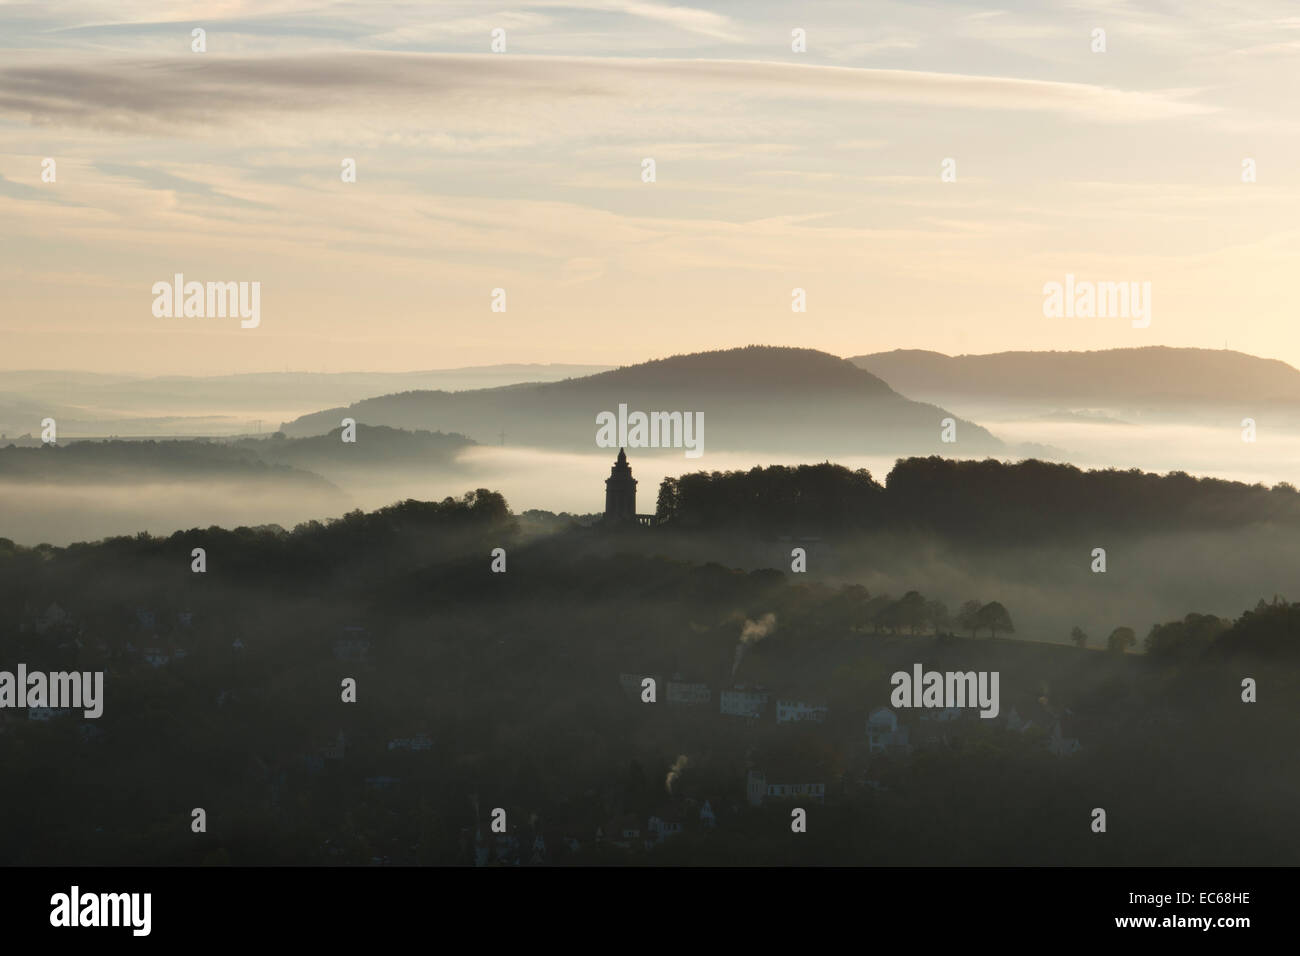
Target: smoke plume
(751, 633)
(674, 772)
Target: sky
(522, 170)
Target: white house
(885, 733)
(758, 789)
(794, 711)
(625, 832)
(708, 819)
(665, 826)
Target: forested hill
(989, 500)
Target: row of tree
(989, 500)
(913, 614)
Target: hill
(1156, 377)
(754, 399)
(89, 404)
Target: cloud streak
(180, 95)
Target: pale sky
(522, 170)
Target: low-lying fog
(1048, 587)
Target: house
(1061, 745)
(381, 783)
(740, 702)
(758, 789)
(156, 656)
(885, 734)
(796, 711)
(625, 831)
(667, 823)
(185, 618)
(937, 726)
(418, 742)
(146, 618)
(683, 692)
(708, 819)
(47, 713)
(335, 750)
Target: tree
(666, 506)
(1120, 640)
(889, 617)
(1186, 638)
(968, 618)
(995, 617)
(936, 613)
(911, 611)
(1079, 638)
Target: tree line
(988, 500)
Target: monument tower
(620, 493)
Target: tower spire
(620, 492)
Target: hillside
(89, 404)
(1153, 377)
(755, 398)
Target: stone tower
(620, 493)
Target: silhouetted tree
(911, 611)
(995, 617)
(1120, 640)
(1079, 638)
(968, 618)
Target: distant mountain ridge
(757, 398)
(89, 403)
(1151, 376)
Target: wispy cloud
(175, 94)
